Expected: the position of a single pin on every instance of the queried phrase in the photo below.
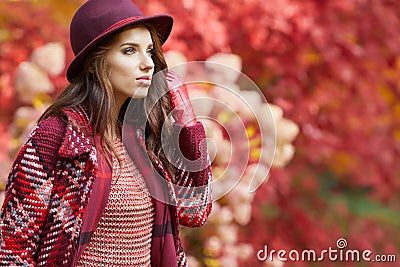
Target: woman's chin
(141, 92)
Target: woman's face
(130, 63)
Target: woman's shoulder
(53, 121)
(65, 132)
(52, 126)
(45, 139)
(50, 131)
(65, 121)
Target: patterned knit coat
(51, 182)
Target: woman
(94, 185)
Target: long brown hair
(93, 91)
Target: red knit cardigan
(59, 184)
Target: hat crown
(95, 16)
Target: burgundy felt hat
(97, 19)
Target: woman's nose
(147, 62)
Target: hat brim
(163, 24)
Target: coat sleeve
(193, 186)
(29, 187)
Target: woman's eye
(151, 52)
(129, 51)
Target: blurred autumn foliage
(332, 66)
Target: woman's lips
(144, 80)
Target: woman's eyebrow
(134, 44)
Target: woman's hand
(182, 108)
